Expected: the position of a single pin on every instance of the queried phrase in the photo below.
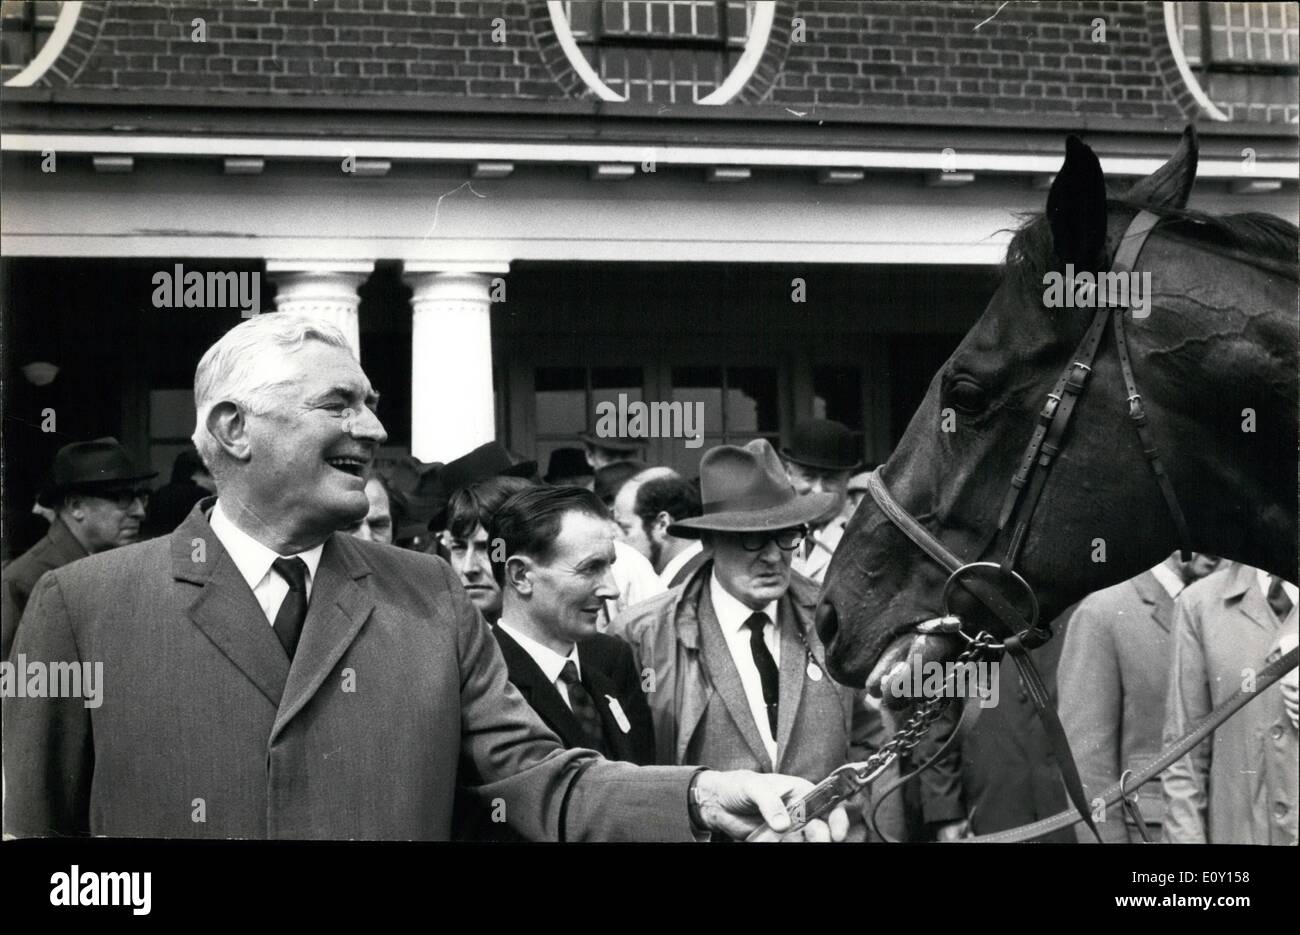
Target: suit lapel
(726, 678)
(602, 690)
(541, 695)
(224, 607)
(339, 606)
(1153, 593)
(1252, 604)
(792, 673)
(693, 685)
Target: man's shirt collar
(731, 613)
(548, 660)
(252, 558)
(1169, 579)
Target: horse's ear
(1171, 185)
(1076, 206)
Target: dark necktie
(1278, 599)
(583, 707)
(766, 666)
(293, 610)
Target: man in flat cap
(820, 458)
(98, 495)
(736, 673)
(270, 677)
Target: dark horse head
(1215, 359)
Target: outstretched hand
(739, 802)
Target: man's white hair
(246, 367)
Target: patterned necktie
(1278, 599)
(583, 707)
(293, 610)
(767, 673)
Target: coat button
(1280, 809)
(1276, 732)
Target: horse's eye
(966, 396)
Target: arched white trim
(755, 44)
(52, 49)
(1184, 69)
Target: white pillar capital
(323, 290)
(452, 405)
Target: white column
(324, 290)
(452, 409)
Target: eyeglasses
(787, 540)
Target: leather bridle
(1009, 598)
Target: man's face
(753, 578)
(110, 520)
(309, 452)
(378, 523)
(570, 589)
(806, 480)
(470, 559)
(631, 529)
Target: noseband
(996, 585)
(1001, 598)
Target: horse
(1215, 360)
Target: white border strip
(1184, 69)
(755, 44)
(593, 153)
(52, 49)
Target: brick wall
(1029, 58)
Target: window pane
(561, 400)
(837, 394)
(171, 413)
(703, 385)
(607, 383)
(751, 400)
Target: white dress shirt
(679, 561)
(254, 563)
(548, 660)
(732, 615)
(1266, 581)
(1169, 580)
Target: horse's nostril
(827, 622)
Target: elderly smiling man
(268, 677)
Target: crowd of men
(611, 651)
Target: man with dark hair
(229, 637)
(97, 493)
(469, 514)
(171, 503)
(644, 511)
(557, 551)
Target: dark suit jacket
(57, 548)
(608, 671)
(206, 730)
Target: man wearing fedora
(820, 459)
(568, 467)
(733, 668)
(602, 452)
(272, 677)
(98, 496)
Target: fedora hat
(90, 467)
(824, 444)
(612, 443)
(567, 462)
(744, 489)
(611, 478)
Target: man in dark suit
(547, 534)
(98, 494)
(265, 676)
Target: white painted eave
(586, 154)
